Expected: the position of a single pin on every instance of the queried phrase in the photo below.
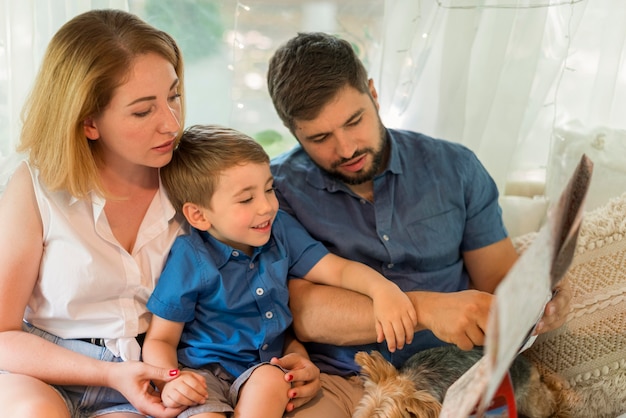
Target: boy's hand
(187, 390)
(396, 318)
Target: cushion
(589, 351)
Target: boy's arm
(292, 345)
(159, 347)
(396, 318)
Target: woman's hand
(133, 380)
(304, 377)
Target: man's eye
(355, 122)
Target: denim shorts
(87, 401)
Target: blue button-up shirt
(235, 307)
(434, 201)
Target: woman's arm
(21, 250)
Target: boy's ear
(91, 131)
(196, 217)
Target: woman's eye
(142, 114)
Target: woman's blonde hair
(86, 60)
(203, 153)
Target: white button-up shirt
(89, 286)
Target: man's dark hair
(308, 71)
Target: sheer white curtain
(26, 26)
(528, 85)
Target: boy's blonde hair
(86, 60)
(203, 153)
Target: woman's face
(140, 124)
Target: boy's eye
(248, 200)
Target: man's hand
(555, 313)
(459, 318)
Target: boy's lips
(263, 226)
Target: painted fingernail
(174, 372)
(292, 395)
(289, 377)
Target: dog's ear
(375, 366)
(422, 404)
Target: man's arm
(332, 315)
(488, 265)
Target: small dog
(418, 388)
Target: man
(422, 211)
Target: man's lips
(354, 165)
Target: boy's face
(243, 207)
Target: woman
(85, 223)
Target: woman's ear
(196, 216)
(91, 131)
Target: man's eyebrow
(148, 98)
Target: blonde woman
(85, 223)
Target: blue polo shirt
(235, 307)
(434, 201)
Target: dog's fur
(418, 388)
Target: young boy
(221, 304)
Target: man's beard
(365, 176)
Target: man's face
(347, 138)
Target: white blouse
(89, 286)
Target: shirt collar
(223, 253)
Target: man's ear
(373, 92)
(91, 131)
(196, 217)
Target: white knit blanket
(589, 351)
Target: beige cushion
(589, 351)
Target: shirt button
(235, 253)
(390, 265)
(251, 266)
(269, 315)
(264, 347)
(363, 201)
(259, 291)
(386, 237)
